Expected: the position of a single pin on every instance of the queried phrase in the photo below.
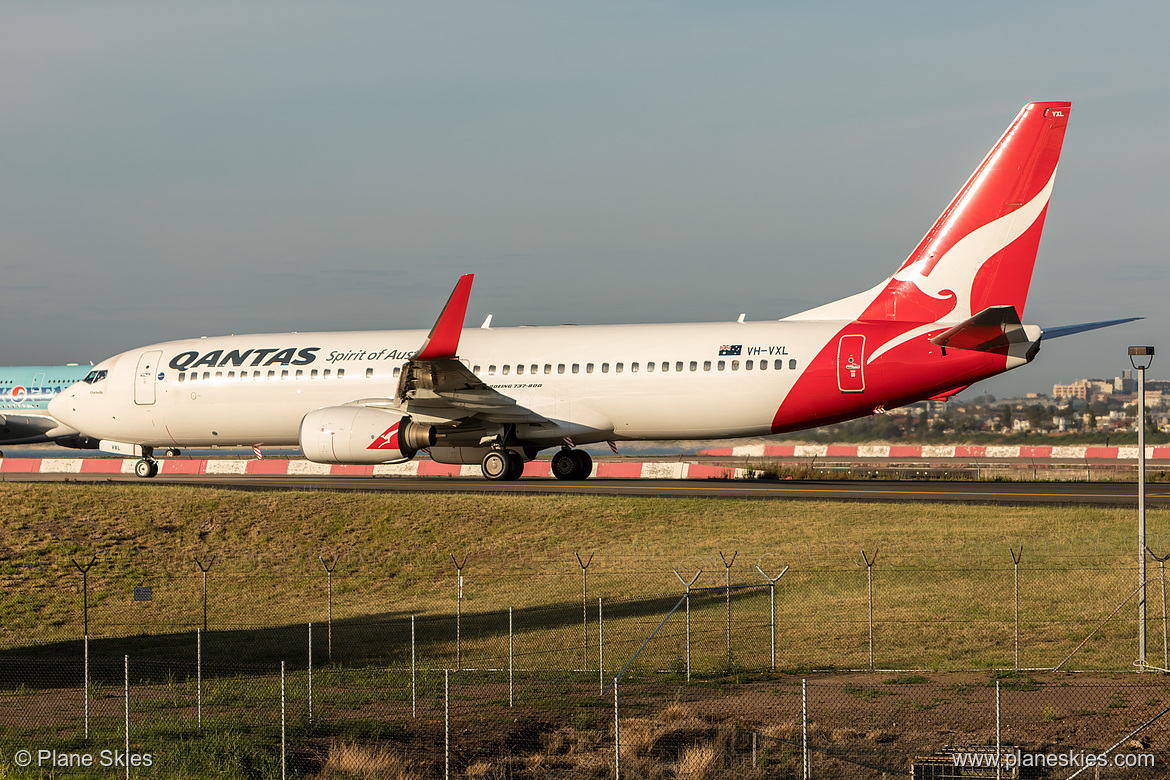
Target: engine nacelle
(362, 434)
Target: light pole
(1141, 358)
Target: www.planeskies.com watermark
(1069, 759)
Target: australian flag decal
(730, 349)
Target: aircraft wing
(434, 384)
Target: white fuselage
(595, 382)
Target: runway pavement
(1122, 494)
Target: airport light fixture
(1141, 358)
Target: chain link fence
(714, 667)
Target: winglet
(443, 340)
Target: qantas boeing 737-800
(948, 317)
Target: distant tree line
(982, 421)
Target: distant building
(1086, 389)
(1078, 390)
(1125, 384)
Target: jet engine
(362, 434)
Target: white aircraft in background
(25, 392)
(948, 317)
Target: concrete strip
(223, 467)
(61, 465)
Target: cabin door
(851, 363)
(145, 377)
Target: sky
(169, 170)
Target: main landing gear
(502, 465)
(572, 464)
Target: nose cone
(63, 406)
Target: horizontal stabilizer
(1068, 330)
(993, 329)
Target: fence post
(600, 650)
(772, 607)
(688, 585)
(199, 677)
(283, 762)
(310, 672)
(126, 661)
(459, 612)
(584, 609)
(85, 689)
(869, 572)
(329, 574)
(85, 589)
(446, 723)
(728, 566)
(804, 727)
(85, 635)
(617, 734)
(511, 668)
(413, 674)
(205, 569)
(1016, 565)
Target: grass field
(943, 578)
(943, 600)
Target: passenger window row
(618, 368)
(300, 373)
(504, 370)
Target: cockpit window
(93, 377)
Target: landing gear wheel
(496, 465)
(584, 464)
(564, 465)
(517, 466)
(572, 464)
(146, 468)
(173, 452)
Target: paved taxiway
(1122, 494)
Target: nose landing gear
(148, 466)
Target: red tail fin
(981, 250)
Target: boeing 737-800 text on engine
(948, 317)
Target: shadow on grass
(549, 636)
